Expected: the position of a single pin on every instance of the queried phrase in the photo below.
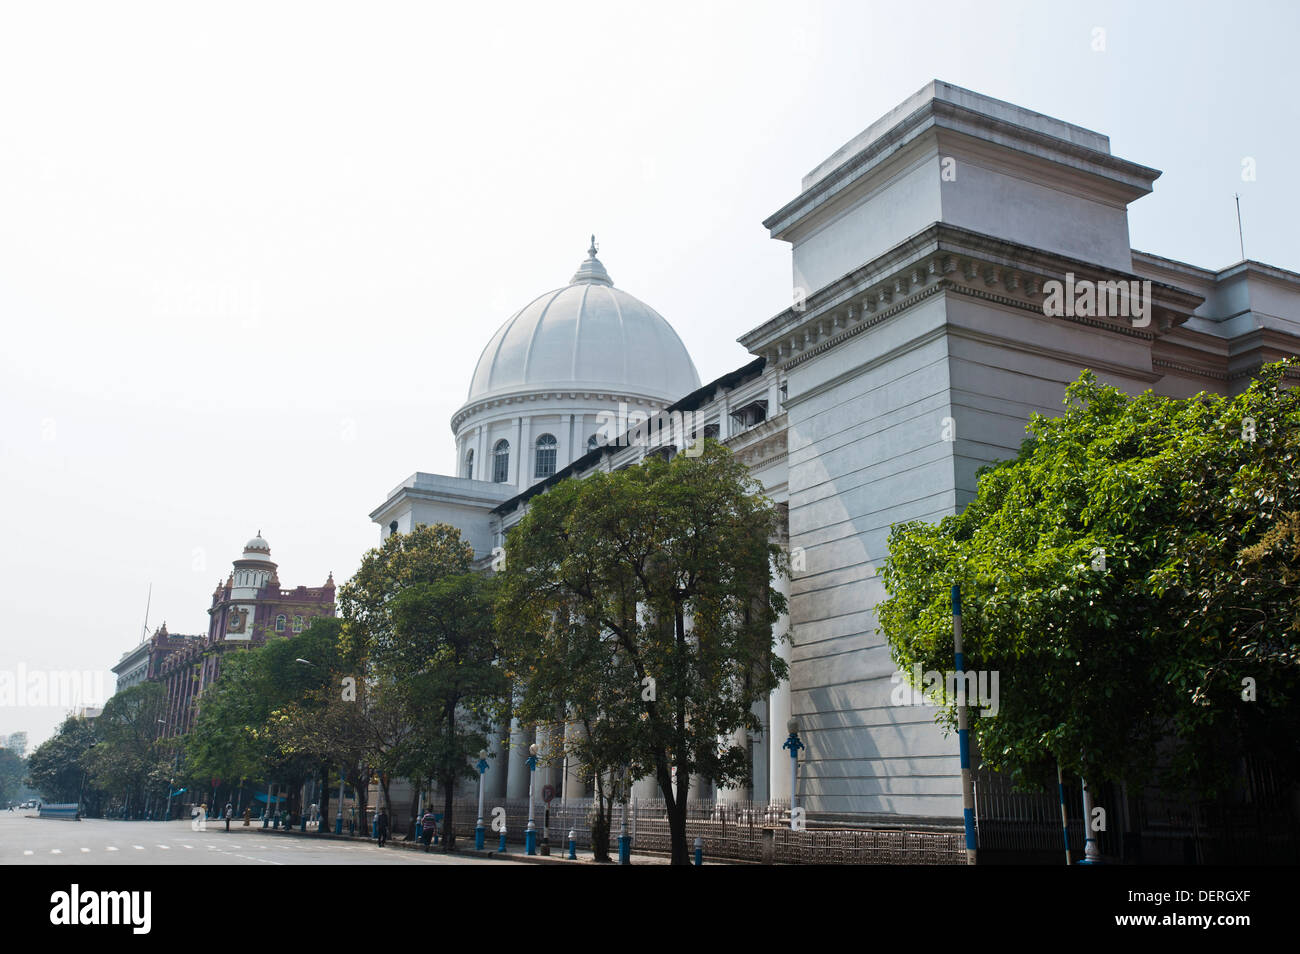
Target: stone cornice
(561, 394)
(944, 258)
(1128, 177)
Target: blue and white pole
(502, 846)
(1091, 850)
(624, 840)
(963, 730)
(699, 851)
(530, 833)
(794, 745)
(480, 836)
(1065, 826)
(573, 844)
(338, 819)
(419, 817)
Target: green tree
(130, 757)
(1122, 575)
(639, 603)
(13, 769)
(442, 673)
(57, 767)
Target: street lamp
(794, 745)
(530, 834)
(171, 782)
(479, 835)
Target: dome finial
(591, 252)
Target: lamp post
(480, 836)
(624, 842)
(171, 782)
(794, 745)
(530, 833)
(338, 818)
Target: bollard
(419, 830)
(624, 849)
(502, 847)
(699, 850)
(573, 844)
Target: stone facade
(921, 337)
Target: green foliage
(1115, 670)
(57, 767)
(13, 768)
(130, 757)
(656, 572)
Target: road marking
(56, 851)
(138, 847)
(85, 851)
(187, 846)
(111, 848)
(29, 852)
(165, 847)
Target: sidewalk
(515, 852)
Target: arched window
(546, 448)
(592, 443)
(297, 624)
(469, 464)
(501, 462)
(279, 624)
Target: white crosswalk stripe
(111, 848)
(138, 847)
(56, 851)
(85, 851)
(29, 852)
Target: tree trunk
(600, 827)
(448, 782)
(324, 796)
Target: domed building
(918, 344)
(572, 358)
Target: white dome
(587, 335)
(257, 549)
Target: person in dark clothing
(428, 828)
(230, 810)
(381, 828)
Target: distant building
(247, 610)
(16, 742)
(144, 662)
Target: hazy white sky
(250, 253)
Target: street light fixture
(530, 834)
(480, 836)
(794, 745)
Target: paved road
(94, 841)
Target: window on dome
(546, 450)
(279, 624)
(469, 465)
(501, 462)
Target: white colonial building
(917, 347)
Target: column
(739, 793)
(779, 710)
(517, 784)
(482, 466)
(494, 784)
(574, 787)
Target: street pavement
(26, 839)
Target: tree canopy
(1131, 575)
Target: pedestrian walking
(428, 828)
(381, 827)
(230, 811)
